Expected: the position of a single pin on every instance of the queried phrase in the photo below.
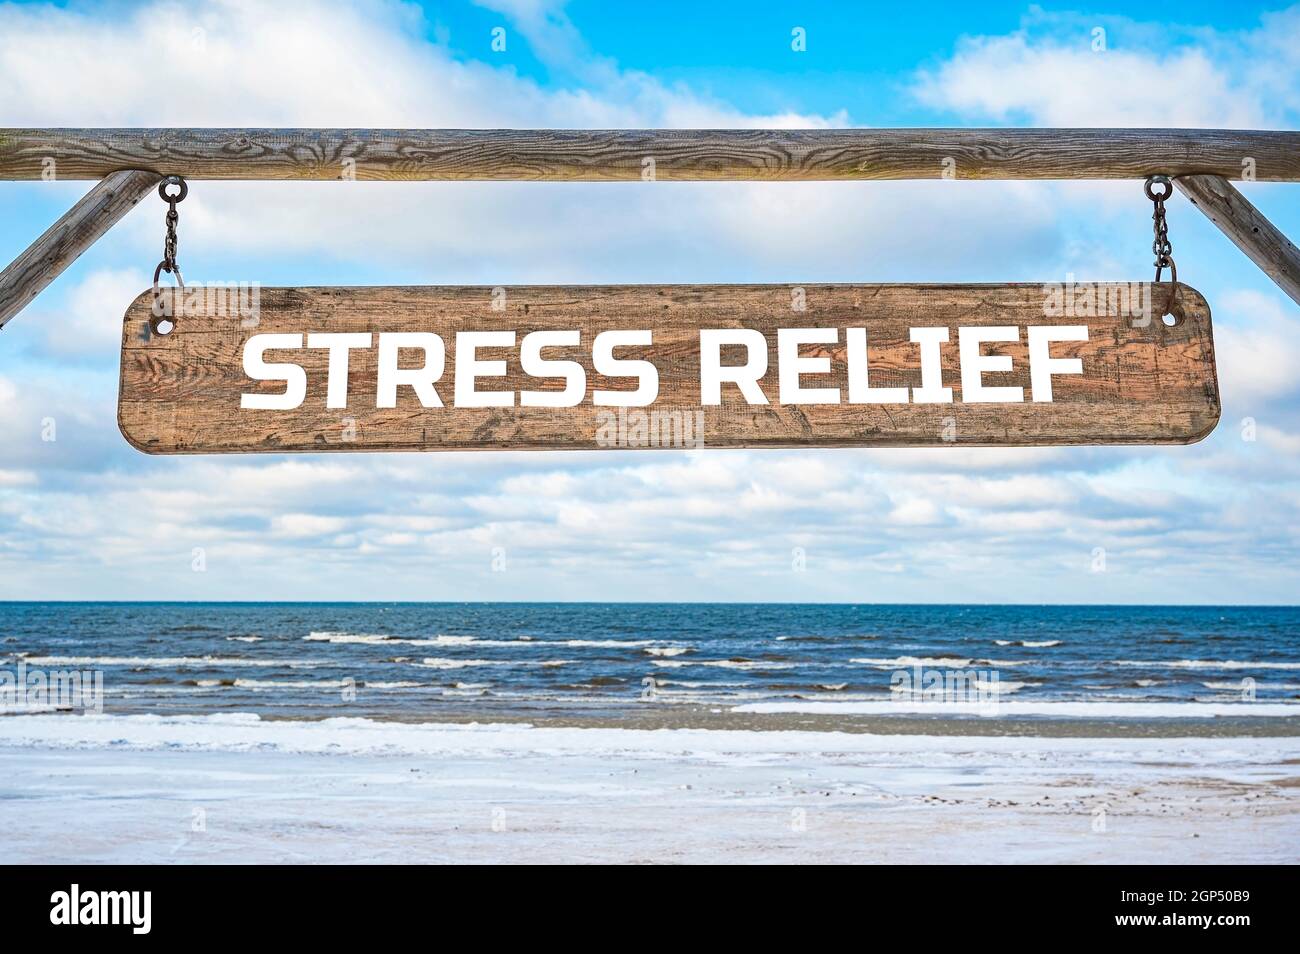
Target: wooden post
(65, 240)
(1255, 235)
(596, 155)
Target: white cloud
(89, 324)
(1058, 70)
(1257, 347)
(88, 516)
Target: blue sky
(86, 516)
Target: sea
(489, 661)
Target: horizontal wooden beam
(65, 240)
(663, 154)
(1266, 246)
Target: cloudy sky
(84, 516)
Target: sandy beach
(239, 789)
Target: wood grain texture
(180, 393)
(685, 154)
(64, 241)
(1246, 226)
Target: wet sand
(699, 717)
(242, 790)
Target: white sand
(236, 789)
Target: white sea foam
(666, 650)
(1205, 664)
(1097, 710)
(293, 683)
(352, 736)
(906, 662)
(746, 664)
(1000, 685)
(169, 662)
(1029, 643)
(438, 663)
(380, 639)
(244, 639)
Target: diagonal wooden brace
(1255, 235)
(65, 240)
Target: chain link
(168, 263)
(1161, 247)
(164, 313)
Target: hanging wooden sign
(557, 367)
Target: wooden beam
(1255, 235)
(65, 240)
(665, 154)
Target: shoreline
(712, 718)
(238, 789)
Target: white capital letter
(603, 360)
(931, 390)
(1042, 365)
(468, 367)
(421, 379)
(974, 364)
(336, 382)
(530, 358)
(744, 376)
(860, 391)
(294, 377)
(789, 365)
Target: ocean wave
(906, 662)
(437, 663)
(981, 685)
(746, 664)
(1002, 685)
(244, 639)
(382, 639)
(172, 662)
(292, 683)
(1029, 643)
(827, 639)
(340, 737)
(1096, 710)
(666, 650)
(1204, 664)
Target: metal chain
(168, 263)
(164, 318)
(1161, 247)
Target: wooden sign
(556, 367)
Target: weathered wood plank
(1250, 231)
(64, 241)
(685, 154)
(1138, 380)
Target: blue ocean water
(429, 660)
